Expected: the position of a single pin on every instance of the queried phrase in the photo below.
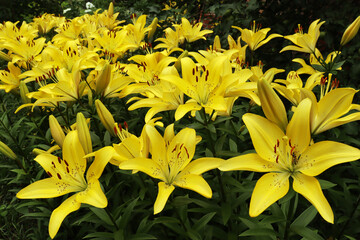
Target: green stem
(111, 218)
(349, 220)
(288, 220)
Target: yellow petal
(268, 189)
(272, 105)
(181, 150)
(102, 157)
(185, 108)
(93, 195)
(202, 165)
(105, 116)
(323, 155)
(310, 188)
(164, 192)
(129, 148)
(145, 165)
(74, 154)
(298, 129)
(350, 31)
(332, 106)
(58, 215)
(46, 188)
(248, 162)
(195, 183)
(157, 147)
(264, 135)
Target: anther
(59, 176)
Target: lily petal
(268, 189)
(249, 162)
(102, 157)
(164, 192)
(323, 155)
(310, 188)
(74, 154)
(185, 108)
(298, 129)
(202, 165)
(58, 215)
(264, 135)
(145, 165)
(195, 183)
(93, 195)
(47, 188)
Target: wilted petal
(310, 188)
(268, 189)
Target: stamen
(49, 173)
(277, 159)
(59, 176)
(277, 143)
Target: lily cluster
(93, 59)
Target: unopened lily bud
(23, 91)
(56, 131)
(177, 64)
(105, 116)
(271, 104)
(83, 133)
(103, 78)
(153, 26)
(4, 149)
(90, 97)
(350, 32)
(110, 9)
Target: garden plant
(146, 126)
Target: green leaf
(326, 184)
(306, 233)
(337, 65)
(306, 217)
(259, 231)
(101, 213)
(126, 215)
(201, 223)
(318, 67)
(100, 235)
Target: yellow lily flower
(67, 175)
(10, 79)
(305, 42)
(192, 33)
(171, 40)
(136, 32)
(256, 37)
(46, 22)
(171, 163)
(293, 88)
(202, 85)
(285, 154)
(332, 110)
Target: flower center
(286, 154)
